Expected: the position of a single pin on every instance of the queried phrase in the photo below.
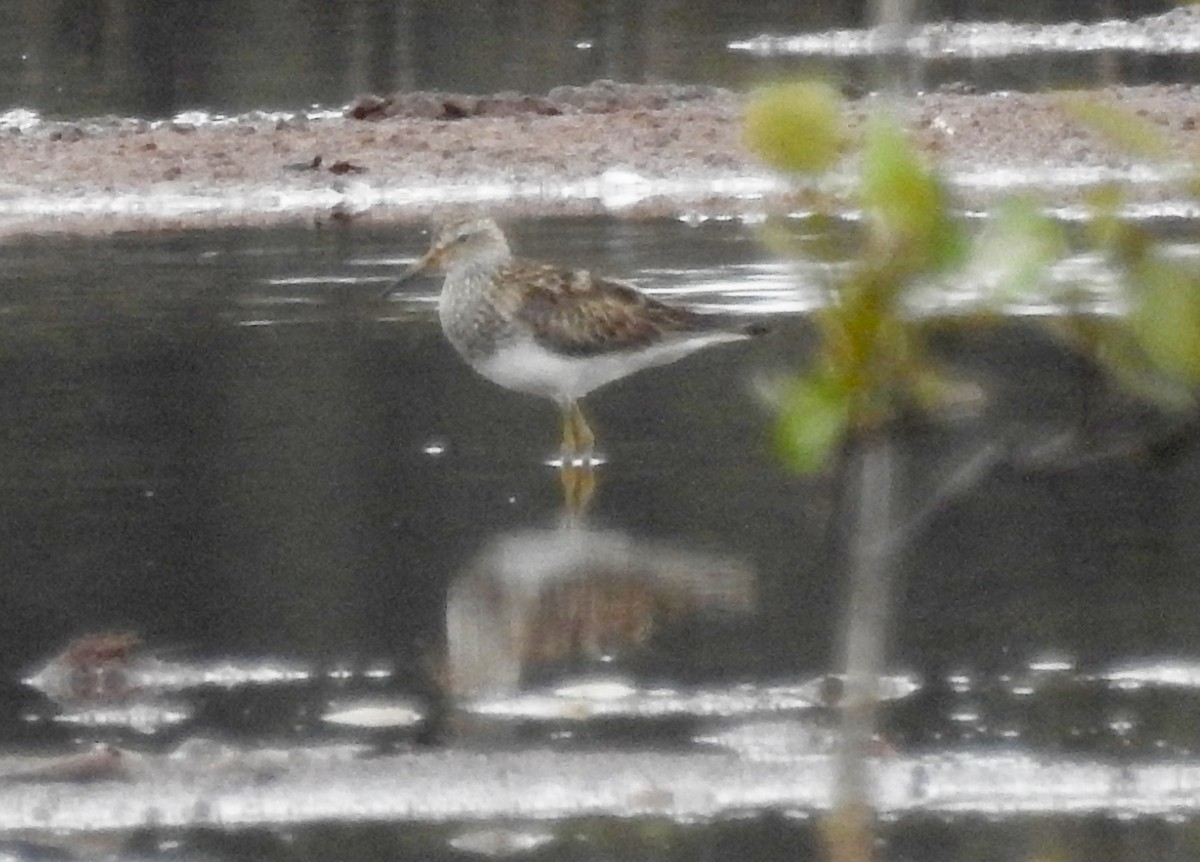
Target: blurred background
(155, 58)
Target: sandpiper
(558, 333)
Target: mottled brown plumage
(555, 332)
(579, 314)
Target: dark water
(220, 439)
(226, 443)
(222, 461)
(154, 58)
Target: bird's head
(458, 242)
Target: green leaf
(907, 203)
(1105, 228)
(796, 127)
(1166, 316)
(1122, 128)
(1015, 249)
(814, 415)
(1111, 341)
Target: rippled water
(358, 604)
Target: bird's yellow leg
(577, 437)
(585, 440)
(569, 444)
(577, 472)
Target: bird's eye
(462, 237)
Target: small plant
(1154, 349)
(871, 366)
(871, 370)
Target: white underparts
(528, 367)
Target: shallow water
(345, 556)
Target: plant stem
(871, 475)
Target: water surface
(86, 58)
(306, 505)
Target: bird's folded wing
(577, 313)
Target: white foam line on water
(207, 118)
(160, 203)
(540, 784)
(1169, 672)
(392, 262)
(1173, 33)
(1183, 210)
(19, 119)
(23, 119)
(615, 190)
(1067, 176)
(304, 280)
(766, 267)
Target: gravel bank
(636, 151)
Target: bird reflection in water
(578, 486)
(576, 597)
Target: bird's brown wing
(577, 313)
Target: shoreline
(632, 151)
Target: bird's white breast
(528, 367)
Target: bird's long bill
(416, 269)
